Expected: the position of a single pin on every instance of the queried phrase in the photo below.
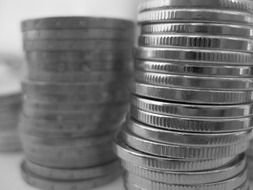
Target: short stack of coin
(250, 161)
(190, 121)
(75, 96)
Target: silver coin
(192, 124)
(193, 55)
(141, 159)
(76, 23)
(196, 69)
(237, 5)
(230, 184)
(172, 150)
(47, 184)
(187, 95)
(77, 34)
(196, 82)
(196, 41)
(228, 171)
(72, 157)
(75, 45)
(194, 15)
(218, 29)
(85, 77)
(68, 109)
(192, 110)
(183, 138)
(73, 174)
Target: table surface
(10, 176)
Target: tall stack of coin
(76, 96)
(190, 121)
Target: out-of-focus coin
(190, 110)
(77, 34)
(141, 159)
(196, 69)
(49, 184)
(196, 15)
(183, 138)
(219, 29)
(199, 96)
(228, 5)
(225, 172)
(76, 23)
(196, 82)
(229, 184)
(192, 124)
(75, 174)
(85, 77)
(69, 158)
(196, 41)
(194, 55)
(173, 150)
(75, 45)
(39, 107)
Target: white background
(11, 14)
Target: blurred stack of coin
(250, 161)
(75, 96)
(190, 121)
(10, 107)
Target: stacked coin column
(190, 121)
(76, 96)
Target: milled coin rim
(175, 150)
(193, 55)
(214, 29)
(192, 110)
(195, 82)
(188, 95)
(187, 177)
(127, 153)
(187, 138)
(195, 69)
(191, 124)
(232, 5)
(196, 41)
(194, 15)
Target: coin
(225, 172)
(229, 184)
(75, 45)
(219, 29)
(191, 124)
(193, 55)
(192, 110)
(196, 69)
(179, 15)
(196, 82)
(76, 23)
(142, 159)
(73, 174)
(85, 77)
(182, 151)
(196, 41)
(78, 34)
(231, 5)
(49, 184)
(199, 96)
(189, 138)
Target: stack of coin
(75, 96)
(250, 161)
(10, 107)
(190, 121)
